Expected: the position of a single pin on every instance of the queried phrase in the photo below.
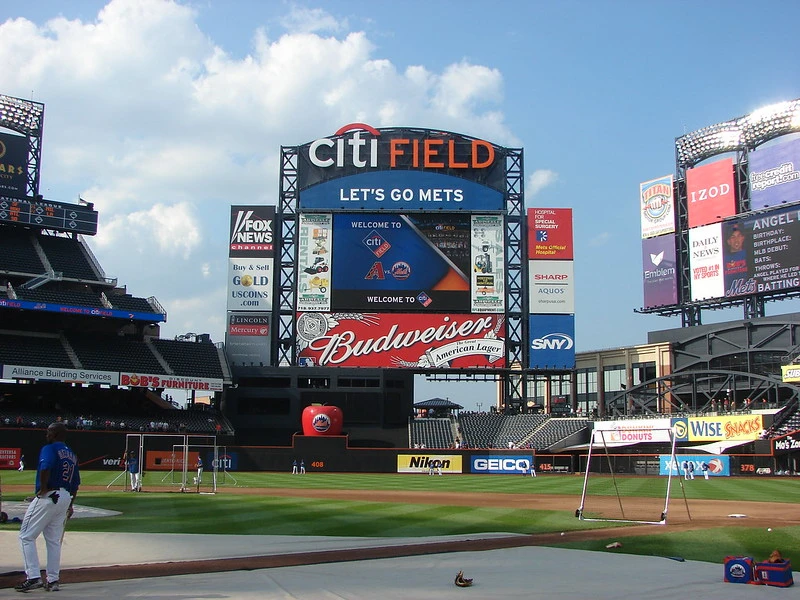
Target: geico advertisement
(422, 463)
(731, 427)
(718, 466)
(501, 464)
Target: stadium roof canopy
(437, 403)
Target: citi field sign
(361, 167)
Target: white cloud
(540, 179)
(162, 130)
(601, 239)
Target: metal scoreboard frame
(507, 175)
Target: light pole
(479, 404)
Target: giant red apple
(321, 419)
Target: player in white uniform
(199, 467)
(57, 483)
(133, 469)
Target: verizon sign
(401, 340)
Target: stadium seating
(432, 433)
(496, 430)
(18, 253)
(198, 359)
(68, 256)
(114, 354)
(554, 431)
(56, 295)
(35, 350)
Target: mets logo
(321, 423)
(400, 270)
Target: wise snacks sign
(720, 428)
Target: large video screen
(13, 165)
(757, 254)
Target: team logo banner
(13, 165)
(659, 271)
(424, 463)
(705, 262)
(711, 193)
(774, 175)
(392, 262)
(400, 340)
(657, 206)
(252, 232)
(488, 266)
(314, 255)
(550, 234)
(552, 341)
(551, 286)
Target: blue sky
(163, 114)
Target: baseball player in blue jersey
(133, 469)
(57, 482)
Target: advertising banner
(710, 192)
(790, 373)
(60, 374)
(552, 341)
(774, 174)
(400, 340)
(358, 148)
(247, 338)
(404, 191)
(705, 262)
(551, 285)
(404, 263)
(314, 254)
(722, 427)
(718, 465)
(252, 232)
(657, 206)
(250, 284)
(625, 432)
(550, 234)
(786, 443)
(161, 460)
(502, 465)
(659, 271)
(13, 165)
(171, 382)
(422, 463)
(87, 311)
(762, 253)
(488, 265)
(9, 458)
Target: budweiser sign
(401, 340)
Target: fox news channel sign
(363, 168)
(503, 465)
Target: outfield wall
(100, 450)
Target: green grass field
(166, 512)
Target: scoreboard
(45, 214)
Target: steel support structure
(26, 117)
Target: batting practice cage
(609, 497)
(184, 462)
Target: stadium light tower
(25, 117)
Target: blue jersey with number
(62, 465)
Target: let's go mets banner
(722, 427)
(400, 340)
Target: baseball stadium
(303, 466)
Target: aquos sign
(501, 464)
(361, 167)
